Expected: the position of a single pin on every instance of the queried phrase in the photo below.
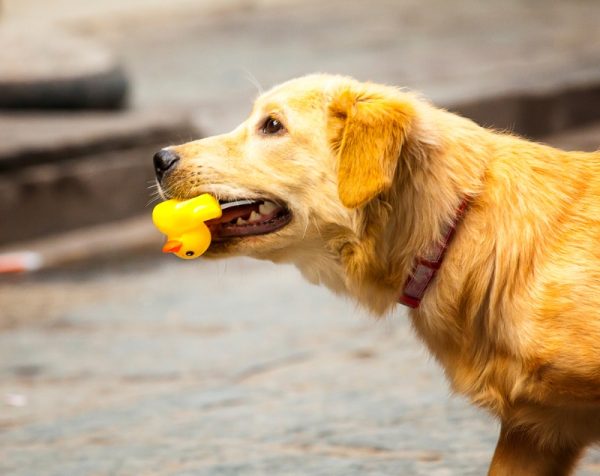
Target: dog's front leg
(518, 455)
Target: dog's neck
(426, 267)
(411, 218)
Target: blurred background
(115, 359)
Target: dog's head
(312, 157)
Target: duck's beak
(172, 246)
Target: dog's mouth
(243, 218)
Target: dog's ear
(368, 126)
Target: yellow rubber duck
(183, 223)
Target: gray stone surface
(506, 65)
(502, 62)
(63, 171)
(36, 138)
(52, 198)
(586, 138)
(50, 69)
(232, 368)
(138, 235)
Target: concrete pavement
(158, 367)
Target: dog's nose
(164, 160)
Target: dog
(492, 240)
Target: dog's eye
(272, 126)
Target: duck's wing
(200, 209)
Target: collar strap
(426, 267)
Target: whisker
(252, 79)
(307, 222)
(317, 227)
(185, 138)
(155, 197)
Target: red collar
(425, 268)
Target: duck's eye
(189, 253)
(272, 126)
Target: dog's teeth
(254, 216)
(241, 221)
(266, 208)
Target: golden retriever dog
(372, 191)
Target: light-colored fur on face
(372, 175)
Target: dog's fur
(372, 176)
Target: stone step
(60, 172)
(137, 235)
(586, 138)
(536, 113)
(53, 69)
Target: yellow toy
(183, 223)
